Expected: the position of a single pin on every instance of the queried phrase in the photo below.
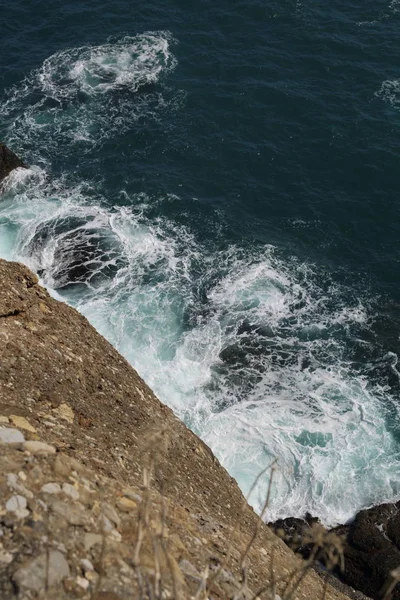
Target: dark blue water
(215, 186)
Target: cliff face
(104, 493)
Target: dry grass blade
(389, 586)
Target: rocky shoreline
(371, 547)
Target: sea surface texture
(215, 185)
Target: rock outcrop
(8, 161)
(104, 493)
(371, 548)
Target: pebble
(22, 423)
(70, 491)
(82, 582)
(51, 488)
(91, 539)
(11, 436)
(41, 572)
(116, 536)
(4, 419)
(91, 575)
(65, 412)
(110, 512)
(75, 514)
(107, 525)
(87, 564)
(64, 465)
(189, 570)
(16, 503)
(14, 484)
(39, 448)
(6, 557)
(126, 504)
(132, 495)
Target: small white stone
(16, 503)
(107, 525)
(70, 491)
(22, 513)
(12, 480)
(39, 448)
(116, 535)
(5, 557)
(51, 488)
(16, 486)
(82, 582)
(111, 514)
(11, 436)
(87, 565)
(91, 539)
(22, 476)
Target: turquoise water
(216, 188)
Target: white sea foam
(88, 94)
(390, 92)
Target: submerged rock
(8, 161)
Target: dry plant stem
(297, 583)
(101, 563)
(47, 568)
(273, 578)
(202, 592)
(173, 574)
(390, 584)
(325, 589)
(142, 520)
(223, 564)
(158, 545)
(157, 571)
(258, 524)
(294, 582)
(166, 553)
(257, 479)
(256, 529)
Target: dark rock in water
(296, 532)
(371, 547)
(83, 253)
(8, 161)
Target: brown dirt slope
(104, 493)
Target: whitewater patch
(251, 350)
(89, 94)
(390, 92)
